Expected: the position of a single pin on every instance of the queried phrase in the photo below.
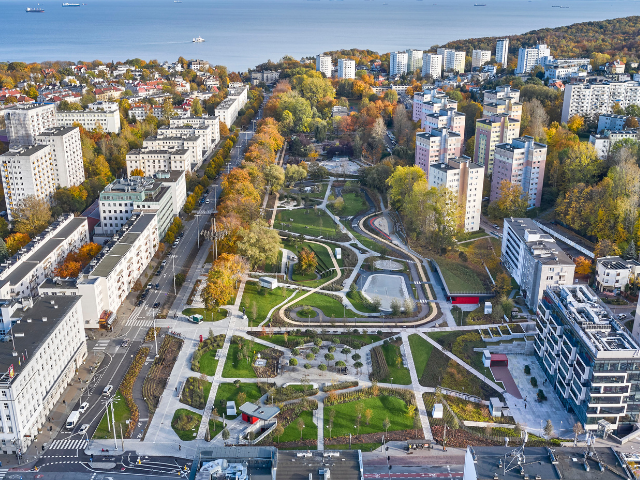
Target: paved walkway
(320, 419)
(415, 384)
(501, 374)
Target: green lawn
(209, 363)
(234, 368)
(122, 414)
(366, 241)
(420, 351)
(354, 203)
(329, 305)
(190, 425)
(365, 447)
(209, 315)
(279, 339)
(292, 433)
(228, 392)
(307, 222)
(401, 374)
(383, 407)
(215, 427)
(360, 303)
(459, 277)
(264, 300)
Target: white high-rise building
(502, 51)
(414, 60)
(27, 170)
(453, 61)
(465, 179)
(398, 63)
(66, 152)
(346, 68)
(431, 65)
(528, 58)
(323, 64)
(588, 100)
(25, 121)
(480, 57)
(103, 114)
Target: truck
(72, 420)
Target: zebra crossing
(3, 472)
(68, 445)
(139, 322)
(102, 344)
(423, 301)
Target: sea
(243, 33)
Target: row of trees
(76, 260)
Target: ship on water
(70, 4)
(198, 40)
(35, 10)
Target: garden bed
(241, 358)
(186, 424)
(196, 392)
(122, 414)
(156, 379)
(204, 358)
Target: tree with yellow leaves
(136, 172)
(575, 123)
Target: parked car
(156, 305)
(622, 315)
(157, 286)
(83, 429)
(83, 408)
(107, 390)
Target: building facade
(465, 179)
(414, 60)
(490, 132)
(66, 153)
(480, 57)
(398, 62)
(228, 109)
(520, 162)
(591, 361)
(346, 68)
(436, 147)
(25, 121)
(528, 58)
(432, 65)
(323, 65)
(452, 61)
(502, 52)
(534, 259)
(613, 273)
(603, 143)
(105, 115)
(590, 99)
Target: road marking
(3, 472)
(68, 445)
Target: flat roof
(57, 131)
(31, 331)
(24, 150)
(257, 411)
(297, 465)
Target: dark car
(108, 459)
(157, 286)
(156, 305)
(138, 303)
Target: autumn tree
(307, 261)
(511, 202)
(583, 266)
(401, 183)
(259, 244)
(503, 284)
(606, 248)
(136, 172)
(534, 119)
(196, 108)
(16, 241)
(221, 279)
(31, 215)
(575, 123)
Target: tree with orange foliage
(69, 269)
(16, 241)
(224, 273)
(136, 172)
(583, 266)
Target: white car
(83, 408)
(622, 315)
(107, 390)
(83, 429)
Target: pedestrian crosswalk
(68, 445)
(423, 301)
(139, 322)
(102, 344)
(3, 472)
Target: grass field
(366, 241)
(360, 303)
(329, 306)
(354, 203)
(420, 351)
(264, 300)
(209, 315)
(215, 427)
(228, 392)
(190, 427)
(234, 368)
(209, 363)
(292, 433)
(122, 414)
(382, 406)
(400, 374)
(307, 222)
(459, 277)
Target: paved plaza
(387, 288)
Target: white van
(72, 420)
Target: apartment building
(528, 58)
(502, 52)
(66, 153)
(480, 57)
(346, 68)
(194, 143)
(151, 161)
(414, 60)
(27, 170)
(504, 106)
(432, 65)
(453, 61)
(465, 179)
(323, 65)
(398, 62)
(533, 259)
(106, 115)
(603, 143)
(611, 121)
(613, 273)
(228, 109)
(199, 122)
(436, 147)
(429, 93)
(434, 103)
(501, 92)
(266, 76)
(123, 197)
(521, 162)
(565, 68)
(21, 274)
(176, 182)
(25, 121)
(445, 118)
(590, 99)
(47, 347)
(591, 361)
(490, 132)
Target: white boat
(198, 40)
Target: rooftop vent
(44, 319)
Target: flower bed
(195, 392)
(379, 367)
(340, 386)
(156, 380)
(126, 388)
(283, 394)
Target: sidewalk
(417, 392)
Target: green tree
(4, 251)
(31, 215)
(259, 244)
(196, 108)
(401, 183)
(511, 202)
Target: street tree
(31, 215)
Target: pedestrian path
(415, 385)
(102, 344)
(3, 472)
(320, 422)
(68, 445)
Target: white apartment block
(25, 121)
(398, 63)
(528, 58)
(151, 161)
(188, 131)
(176, 181)
(588, 100)
(414, 60)
(103, 114)
(432, 65)
(611, 121)
(108, 279)
(502, 92)
(613, 273)
(194, 143)
(603, 143)
(346, 68)
(228, 109)
(323, 65)
(502, 52)
(453, 61)
(465, 179)
(533, 259)
(480, 57)
(21, 274)
(66, 152)
(204, 121)
(27, 171)
(48, 346)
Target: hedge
(126, 388)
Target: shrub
(340, 386)
(541, 396)
(527, 370)
(534, 382)
(126, 388)
(379, 367)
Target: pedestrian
(525, 405)
(179, 447)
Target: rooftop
(31, 331)
(300, 465)
(57, 131)
(24, 151)
(262, 413)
